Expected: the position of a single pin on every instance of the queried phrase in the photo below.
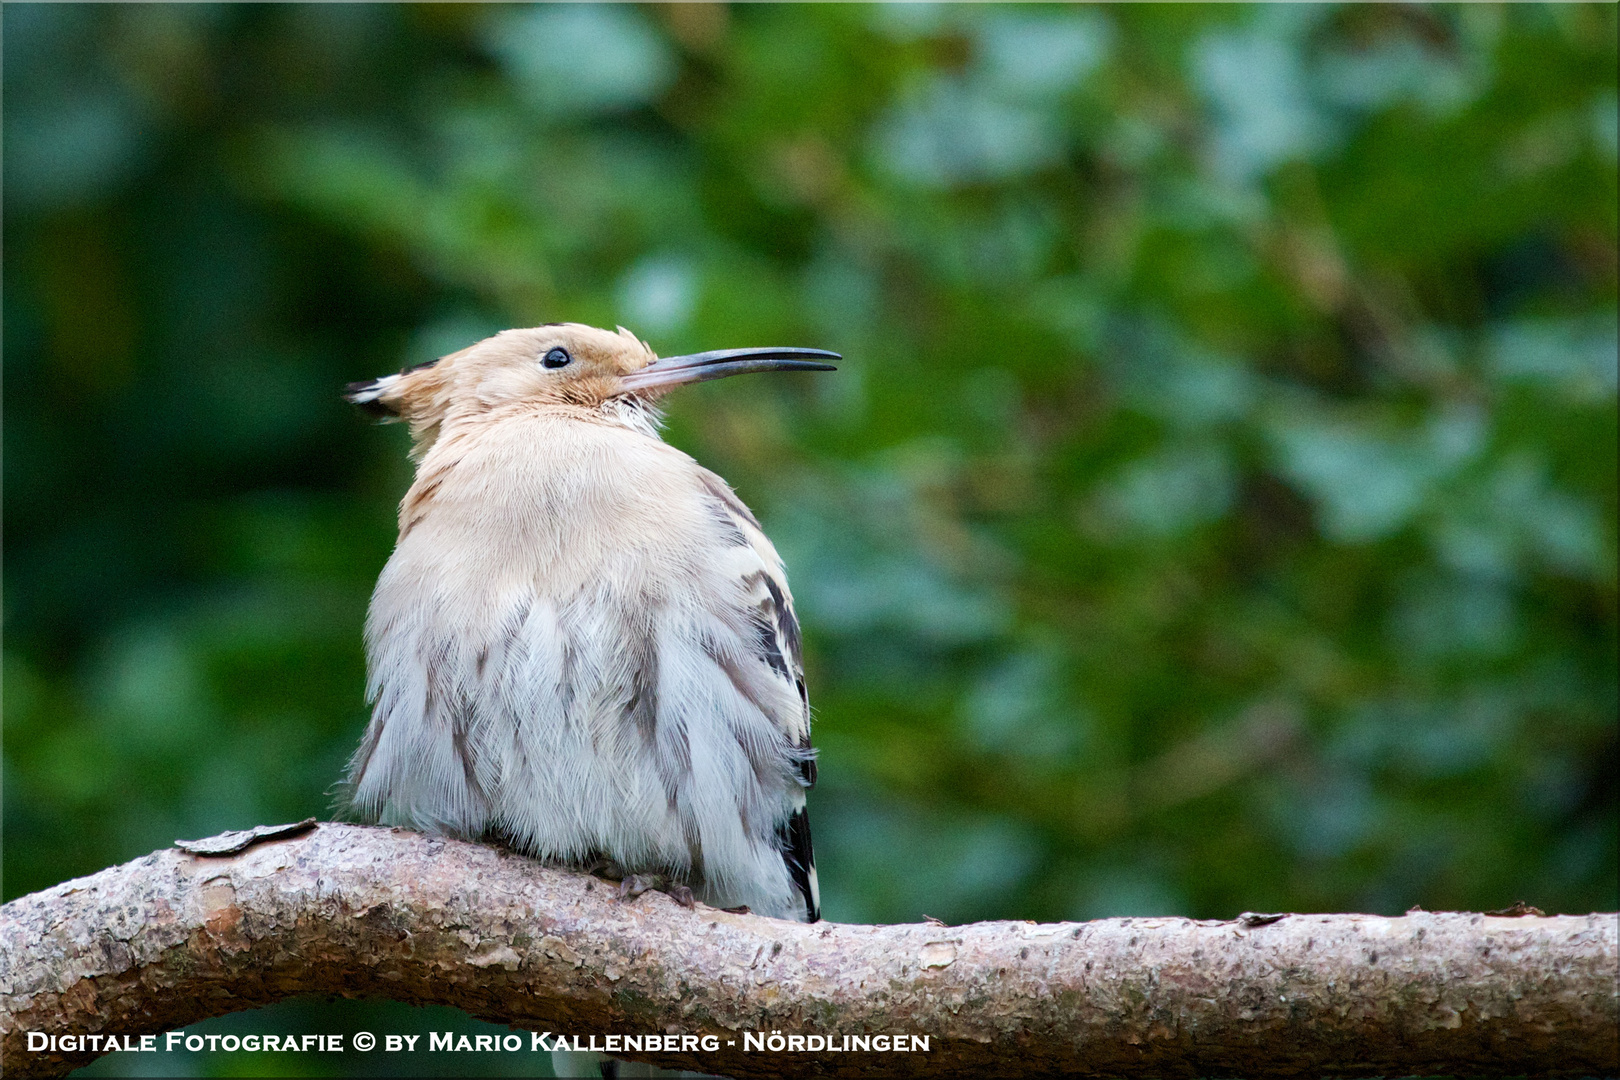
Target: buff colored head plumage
(558, 365)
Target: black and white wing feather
(777, 655)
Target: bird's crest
(418, 395)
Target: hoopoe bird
(583, 644)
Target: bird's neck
(637, 414)
(628, 411)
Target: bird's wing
(776, 645)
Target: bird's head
(559, 364)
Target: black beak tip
(816, 359)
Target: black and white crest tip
(368, 394)
(372, 394)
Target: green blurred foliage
(1216, 509)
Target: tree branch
(174, 938)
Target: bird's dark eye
(557, 358)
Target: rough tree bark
(173, 938)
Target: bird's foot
(635, 884)
(503, 841)
(606, 868)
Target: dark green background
(1216, 510)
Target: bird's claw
(634, 885)
(604, 867)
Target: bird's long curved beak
(718, 363)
